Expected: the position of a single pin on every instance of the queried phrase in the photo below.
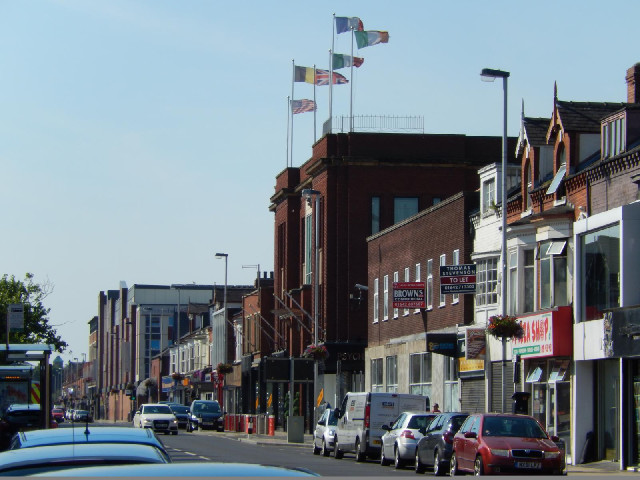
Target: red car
(57, 414)
(498, 443)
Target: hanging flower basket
(504, 326)
(317, 352)
(177, 376)
(224, 368)
(114, 391)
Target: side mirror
(555, 438)
(470, 435)
(386, 427)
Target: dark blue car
(435, 447)
(206, 414)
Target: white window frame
(377, 378)
(443, 263)
(376, 305)
(407, 278)
(483, 293)
(395, 279)
(385, 299)
(455, 297)
(488, 195)
(417, 310)
(430, 284)
(391, 373)
(423, 384)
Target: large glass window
(385, 300)
(392, 374)
(376, 375)
(488, 195)
(376, 300)
(600, 279)
(404, 207)
(553, 273)
(487, 281)
(420, 374)
(451, 390)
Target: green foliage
(36, 323)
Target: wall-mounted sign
(475, 343)
(442, 343)
(15, 316)
(458, 279)
(546, 334)
(409, 295)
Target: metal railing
(373, 123)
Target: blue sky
(138, 138)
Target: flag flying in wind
(303, 74)
(322, 78)
(344, 24)
(371, 37)
(342, 61)
(301, 106)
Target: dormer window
(488, 195)
(613, 137)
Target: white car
(401, 439)
(156, 416)
(325, 433)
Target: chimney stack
(633, 86)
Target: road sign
(15, 316)
(458, 279)
(409, 295)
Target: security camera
(361, 287)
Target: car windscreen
(179, 409)
(206, 408)
(512, 427)
(156, 409)
(419, 421)
(333, 420)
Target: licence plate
(534, 465)
(377, 442)
(162, 425)
(207, 423)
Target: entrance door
(608, 411)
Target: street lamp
(224, 299)
(308, 193)
(489, 75)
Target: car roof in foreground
(97, 434)
(24, 461)
(189, 469)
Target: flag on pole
(371, 37)
(342, 61)
(344, 24)
(301, 106)
(322, 78)
(303, 74)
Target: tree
(37, 328)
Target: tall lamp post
(489, 75)
(308, 193)
(224, 299)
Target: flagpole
(314, 102)
(288, 113)
(293, 82)
(351, 89)
(333, 39)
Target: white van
(362, 415)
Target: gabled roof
(581, 116)
(533, 131)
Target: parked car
(361, 416)
(206, 414)
(19, 418)
(182, 413)
(95, 434)
(189, 469)
(69, 414)
(156, 416)
(55, 458)
(82, 416)
(57, 414)
(497, 443)
(435, 447)
(401, 437)
(324, 433)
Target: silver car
(324, 433)
(401, 438)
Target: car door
(460, 442)
(389, 438)
(428, 444)
(471, 444)
(320, 428)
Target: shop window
(420, 374)
(451, 391)
(392, 374)
(376, 375)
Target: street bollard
(272, 425)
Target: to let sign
(458, 279)
(409, 295)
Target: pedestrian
(436, 408)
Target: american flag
(322, 78)
(301, 106)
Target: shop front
(545, 354)
(471, 368)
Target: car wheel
(325, 450)
(438, 469)
(384, 461)
(398, 462)
(360, 455)
(175, 433)
(453, 465)
(337, 453)
(418, 464)
(478, 468)
(316, 450)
